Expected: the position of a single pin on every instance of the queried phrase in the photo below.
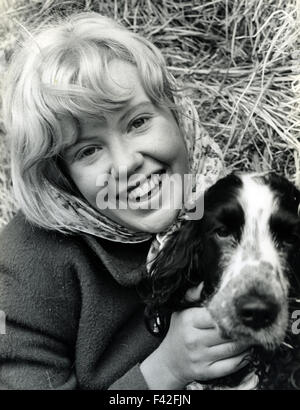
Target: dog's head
(246, 250)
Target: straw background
(239, 59)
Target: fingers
(250, 382)
(200, 322)
(228, 366)
(226, 350)
(211, 337)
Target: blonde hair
(60, 72)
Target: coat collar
(125, 262)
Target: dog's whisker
(287, 345)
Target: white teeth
(155, 178)
(152, 183)
(145, 187)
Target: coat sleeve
(39, 334)
(132, 380)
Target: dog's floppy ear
(171, 273)
(175, 269)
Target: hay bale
(239, 59)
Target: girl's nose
(125, 160)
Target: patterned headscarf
(205, 159)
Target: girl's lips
(142, 187)
(145, 189)
(147, 198)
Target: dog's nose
(257, 312)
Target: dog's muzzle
(252, 305)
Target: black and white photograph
(150, 197)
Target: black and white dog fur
(246, 251)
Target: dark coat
(74, 319)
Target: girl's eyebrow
(144, 105)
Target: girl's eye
(87, 152)
(139, 122)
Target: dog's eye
(286, 238)
(291, 239)
(223, 232)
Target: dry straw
(239, 59)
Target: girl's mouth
(148, 188)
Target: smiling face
(137, 142)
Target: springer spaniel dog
(246, 251)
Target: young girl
(88, 103)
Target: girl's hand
(192, 350)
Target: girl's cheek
(85, 179)
(167, 140)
